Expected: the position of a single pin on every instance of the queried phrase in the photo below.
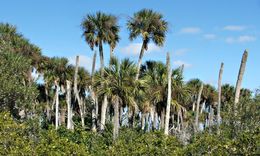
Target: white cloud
(180, 62)
(240, 39)
(209, 36)
(134, 48)
(234, 27)
(84, 61)
(190, 30)
(246, 38)
(180, 52)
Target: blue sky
(202, 33)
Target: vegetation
(122, 109)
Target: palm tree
(98, 29)
(120, 86)
(219, 94)
(149, 25)
(239, 79)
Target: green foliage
(14, 93)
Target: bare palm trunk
(47, 102)
(116, 119)
(103, 113)
(104, 103)
(57, 105)
(76, 92)
(169, 93)
(62, 116)
(69, 107)
(93, 97)
(140, 61)
(152, 113)
(193, 105)
(197, 109)
(203, 107)
(155, 120)
(219, 95)
(162, 118)
(143, 121)
(239, 79)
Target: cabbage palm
(151, 26)
(101, 28)
(120, 86)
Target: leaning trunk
(219, 94)
(198, 108)
(116, 119)
(76, 92)
(140, 61)
(239, 80)
(169, 93)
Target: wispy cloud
(209, 36)
(180, 52)
(234, 28)
(134, 48)
(190, 30)
(240, 39)
(84, 61)
(180, 63)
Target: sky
(201, 35)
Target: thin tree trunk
(193, 105)
(152, 114)
(116, 119)
(76, 92)
(121, 114)
(103, 113)
(47, 103)
(203, 107)
(239, 80)
(155, 120)
(197, 109)
(219, 95)
(111, 54)
(62, 116)
(162, 118)
(69, 107)
(169, 93)
(140, 61)
(57, 105)
(143, 121)
(93, 98)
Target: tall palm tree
(197, 109)
(151, 26)
(239, 79)
(100, 28)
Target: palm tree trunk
(47, 103)
(69, 107)
(197, 109)
(111, 54)
(239, 80)
(62, 116)
(140, 61)
(143, 121)
(116, 119)
(103, 113)
(203, 107)
(193, 105)
(155, 120)
(93, 98)
(152, 113)
(219, 95)
(162, 118)
(104, 103)
(76, 92)
(169, 95)
(57, 105)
